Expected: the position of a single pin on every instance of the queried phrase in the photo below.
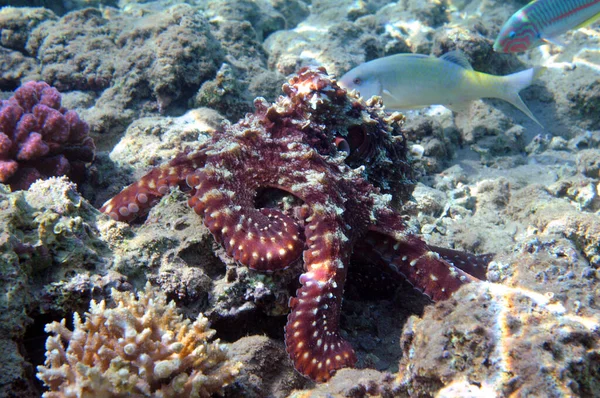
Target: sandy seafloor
(152, 78)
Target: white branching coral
(143, 347)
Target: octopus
(347, 164)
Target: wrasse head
(517, 35)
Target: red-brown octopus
(346, 161)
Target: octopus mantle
(346, 161)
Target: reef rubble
(161, 78)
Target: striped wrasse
(542, 21)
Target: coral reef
(183, 53)
(337, 164)
(225, 94)
(239, 27)
(142, 59)
(500, 340)
(52, 259)
(353, 383)
(263, 17)
(260, 356)
(140, 347)
(18, 23)
(131, 67)
(486, 181)
(585, 102)
(130, 81)
(40, 139)
(291, 49)
(487, 340)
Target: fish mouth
(497, 47)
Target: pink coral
(39, 138)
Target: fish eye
(357, 81)
(512, 34)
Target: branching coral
(141, 347)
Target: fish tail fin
(514, 83)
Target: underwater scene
(299, 198)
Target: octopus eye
(357, 81)
(342, 145)
(355, 144)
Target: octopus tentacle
(261, 239)
(137, 199)
(312, 334)
(473, 264)
(411, 259)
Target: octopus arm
(409, 257)
(137, 199)
(312, 334)
(264, 239)
(473, 264)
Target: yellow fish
(408, 81)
